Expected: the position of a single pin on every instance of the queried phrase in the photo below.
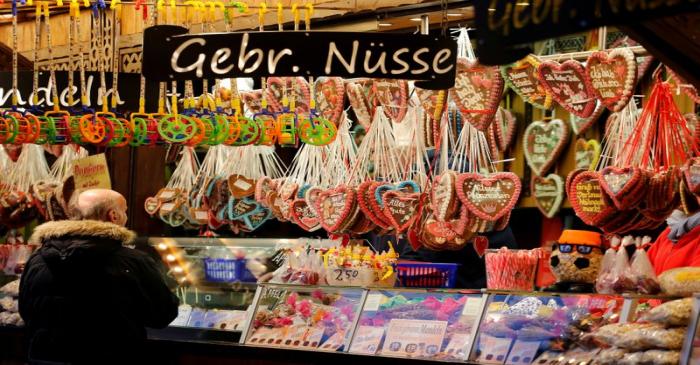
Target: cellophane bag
(604, 282)
(643, 271)
(623, 279)
(673, 313)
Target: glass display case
(304, 317)
(417, 324)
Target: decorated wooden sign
(169, 53)
(491, 197)
(477, 92)
(392, 95)
(612, 76)
(587, 154)
(544, 142)
(522, 78)
(329, 93)
(549, 193)
(568, 85)
(580, 125)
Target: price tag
(241, 184)
(523, 353)
(493, 350)
(414, 338)
(345, 274)
(373, 302)
(472, 307)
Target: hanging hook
(309, 13)
(261, 14)
(280, 15)
(297, 18)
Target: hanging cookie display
(362, 99)
(477, 92)
(548, 193)
(612, 76)
(329, 93)
(586, 154)
(522, 77)
(568, 85)
(543, 143)
(392, 95)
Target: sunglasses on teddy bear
(569, 248)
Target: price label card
(493, 350)
(183, 316)
(241, 184)
(414, 338)
(373, 302)
(367, 339)
(345, 275)
(523, 353)
(472, 307)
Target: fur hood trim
(84, 228)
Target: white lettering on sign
(333, 51)
(196, 65)
(243, 57)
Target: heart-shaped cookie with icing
(587, 154)
(489, 197)
(548, 193)
(443, 196)
(368, 204)
(241, 186)
(288, 190)
(504, 128)
(304, 216)
(623, 185)
(589, 200)
(252, 101)
(477, 92)
(392, 95)
(580, 125)
(568, 85)
(361, 97)
(329, 93)
(612, 76)
(296, 88)
(254, 221)
(402, 209)
(543, 143)
(522, 78)
(263, 186)
(334, 207)
(311, 196)
(242, 208)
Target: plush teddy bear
(575, 261)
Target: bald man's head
(98, 204)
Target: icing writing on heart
(477, 92)
(567, 84)
(587, 154)
(549, 193)
(491, 197)
(288, 190)
(402, 209)
(304, 216)
(296, 88)
(544, 141)
(612, 76)
(444, 196)
(441, 229)
(311, 196)
(393, 96)
(335, 206)
(242, 208)
(254, 221)
(241, 186)
(522, 77)
(263, 186)
(252, 101)
(329, 93)
(361, 97)
(588, 199)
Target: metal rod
(424, 24)
(638, 50)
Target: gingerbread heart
(368, 204)
(568, 85)
(477, 92)
(621, 185)
(692, 122)
(689, 202)
(276, 205)
(589, 200)
(152, 205)
(334, 207)
(263, 186)
(587, 154)
(580, 125)
(444, 196)
(504, 128)
(434, 102)
(543, 143)
(441, 229)
(254, 221)
(548, 193)
(252, 101)
(522, 77)
(684, 85)
(295, 89)
(304, 216)
(392, 95)
(402, 209)
(691, 173)
(311, 196)
(241, 186)
(288, 190)
(489, 197)
(361, 97)
(612, 76)
(329, 93)
(242, 208)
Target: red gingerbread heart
(691, 172)
(580, 125)
(329, 93)
(477, 92)
(543, 143)
(612, 76)
(589, 200)
(568, 86)
(334, 207)
(522, 77)
(361, 97)
(392, 95)
(402, 209)
(444, 196)
(263, 186)
(296, 90)
(491, 197)
(504, 126)
(623, 185)
(304, 216)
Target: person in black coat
(85, 295)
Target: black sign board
(504, 27)
(129, 86)
(169, 53)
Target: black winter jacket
(86, 298)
